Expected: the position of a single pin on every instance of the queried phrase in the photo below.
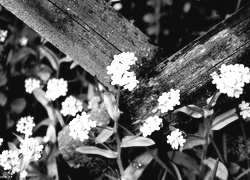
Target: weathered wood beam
(91, 33)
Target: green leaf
(193, 141)
(3, 99)
(104, 135)
(12, 146)
(19, 138)
(177, 171)
(52, 168)
(216, 96)
(191, 110)
(65, 59)
(224, 119)
(25, 162)
(110, 103)
(135, 141)
(215, 169)
(15, 56)
(46, 52)
(97, 151)
(185, 160)
(17, 106)
(51, 133)
(73, 65)
(3, 79)
(59, 118)
(233, 168)
(45, 122)
(40, 96)
(221, 173)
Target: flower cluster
(80, 126)
(175, 139)
(3, 35)
(231, 79)
(151, 124)
(31, 84)
(119, 70)
(56, 88)
(31, 147)
(23, 174)
(71, 106)
(167, 101)
(9, 160)
(245, 109)
(25, 125)
(23, 41)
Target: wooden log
(91, 32)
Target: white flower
(71, 106)
(175, 139)
(31, 84)
(151, 124)
(80, 126)
(23, 174)
(231, 79)
(167, 101)
(245, 109)
(31, 147)
(56, 88)
(119, 70)
(25, 125)
(3, 35)
(23, 41)
(10, 161)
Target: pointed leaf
(46, 52)
(18, 105)
(132, 141)
(221, 173)
(185, 160)
(97, 151)
(59, 117)
(110, 103)
(51, 133)
(191, 110)
(19, 138)
(45, 122)
(177, 171)
(193, 141)
(104, 135)
(233, 168)
(215, 169)
(25, 162)
(52, 168)
(40, 96)
(73, 65)
(66, 59)
(224, 119)
(216, 96)
(12, 146)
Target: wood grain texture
(91, 32)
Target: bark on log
(91, 33)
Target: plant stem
(118, 96)
(224, 139)
(245, 141)
(119, 160)
(217, 151)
